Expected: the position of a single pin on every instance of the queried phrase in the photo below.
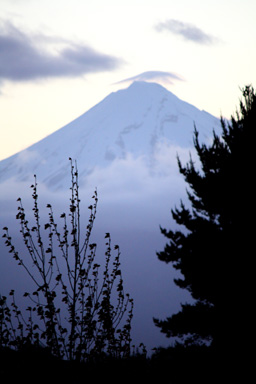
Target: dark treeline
(90, 340)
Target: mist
(133, 204)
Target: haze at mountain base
(126, 147)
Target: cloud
(188, 31)
(159, 76)
(133, 202)
(25, 58)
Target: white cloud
(133, 201)
(158, 76)
(189, 32)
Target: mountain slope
(125, 146)
(134, 121)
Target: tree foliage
(74, 310)
(214, 254)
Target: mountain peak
(140, 84)
(134, 121)
(146, 86)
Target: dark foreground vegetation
(90, 340)
(192, 364)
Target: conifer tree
(215, 253)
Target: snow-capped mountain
(126, 147)
(136, 121)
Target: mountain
(126, 146)
(136, 121)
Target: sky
(59, 58)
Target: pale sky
(58, 58)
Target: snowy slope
(136, 121)
(125, 146)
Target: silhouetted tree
(74, 311)
(214, 253)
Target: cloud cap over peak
(158, 76)
(189, 32)
(23, 58)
